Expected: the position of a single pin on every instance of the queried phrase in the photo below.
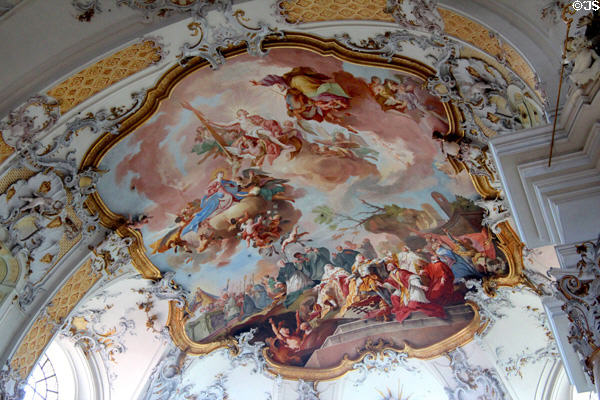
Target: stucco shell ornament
(315, 196)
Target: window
(64, 372)
(582, 396)
(42, 383)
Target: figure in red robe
(408, 294)
(481, 241)
(441, 287)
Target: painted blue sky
(158, 155)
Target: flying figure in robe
(220, 195)
(309, 95)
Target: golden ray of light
(390, 396)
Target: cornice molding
(545, 199)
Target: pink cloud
(220, 93)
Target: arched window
(42, 383)
(582, 396)
(64, 372)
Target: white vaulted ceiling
(115, 332)
(43, 41)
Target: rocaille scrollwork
(420, 14)
(482, 101)
(48, 207)
(579, 289)
(225, 29)
(472, 158)
(474, 381)
(86, 329)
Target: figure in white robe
(333, 289)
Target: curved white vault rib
(79, 376)
(106, 348)
(496, 360)
(535, 38)
(220, 375)
(26, 38)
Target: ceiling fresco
(242, 204)
(310, 200)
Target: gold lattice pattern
(332, 10)
(5, 150)
(479, 36)
(13, 175)
(104, 73)
(456, 25)
(41, 332)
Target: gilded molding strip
(459, 339)
(43, 329)
(105, 73)
(459, 26)
(509, 241)
(474, 33)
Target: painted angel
(339, 144)
(220, 195)
(400, 96)
(247, 137)
(257, 181)
(309, 95)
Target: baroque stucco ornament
(471, 158)
(391, 43)
(44, 214)
(35, 217)
(226, 28)
(85, 328)
(420, 15)
(474, 381)
(149, 9)
(579, 289)
(514, 364)
(382, 361)
(27, 123)
(166, 376)
(473, 82)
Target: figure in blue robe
(261, 297)
(249, 307)
(220, 195)
(460, 267)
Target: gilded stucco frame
(508, 240)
